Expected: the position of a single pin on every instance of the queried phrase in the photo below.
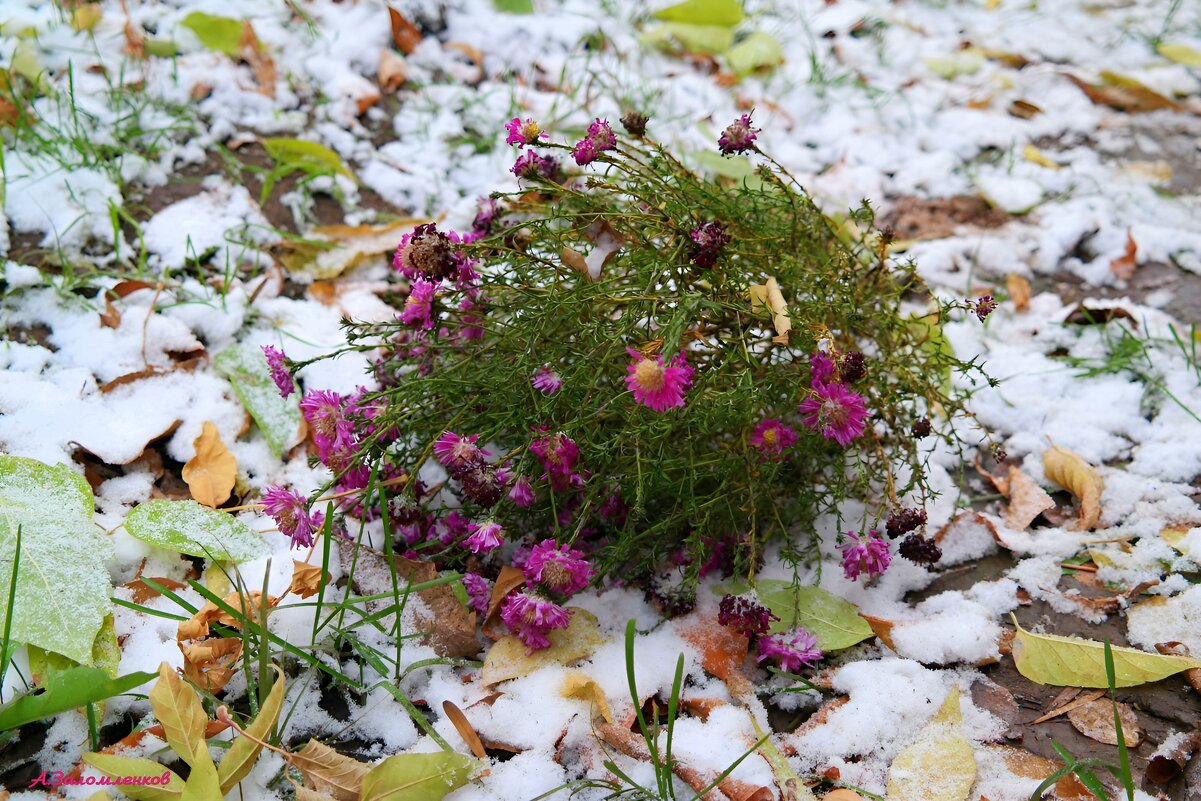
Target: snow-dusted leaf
(1074, 662)
(1181, 54)
(1072, 473)
(835, 621)
(1027, 500)
(418, 777)
(939, 764)
(245, 367)
(240, 757)
(703, 12)
(187, 527)
(211, 473)
(310, 157)
(1094, 719)
(62, 587)
(118, 766)
(508, 658)
(327, 771)
(756, 51)
(215, 32)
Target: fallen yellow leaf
(306, 579)
(1180, 53)
(583, 687)
(211, 473)
(1072, 473)
(508, 658)
(939, 764)
(1036, 156)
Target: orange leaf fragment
(722, 648)
(1019, 290)
(211, 473)
(1123, 266)
(306, 579)
(405, 34)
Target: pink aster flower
(291, 513)
(546, 380)
(478, 591)
(523, 133)
(457, 453)
(532, 165)
(771, 438)
(658, 386)
(531, 617)
(791, 650)
(332, 433)
(821, 367)
(558, 568)
(600, 137)
(835, 411)
(984, 306)
(484, 538)
(867, 553)
(522, 494)
(277, 361)
(738, 137)
(416, 311)
(559, 456)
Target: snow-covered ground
(895, 102)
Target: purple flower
(867, 553)
(483, 483)
(984, 306)
(332, 433)
(559, 456)
(771, 438)
(791, 651)
(416, 311)
(485, 538)
(744, 615)
(656, 385)
(559, 568)
(457, 453)
(531, 617)
(738, 137)
(710, 238)
(600, 137)
(532, 165)
(835, 411)
(546, 380)
(482, 224)
(821, 368)
(523, 133)
(478, 591)
(614, 509)
(427, 253)
(277, 361)
(522, 493)
(291, 514)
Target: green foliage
(298, 155)
(834, 621)
(418, 777)
(246, 369)
(691, 478)
(187, 527)
(68, 689)
(215, 32)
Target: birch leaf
(222, 34)
(939, 764)
(1074, 662)
(176, 706)
(187, 527)
(418, 777)
(211, 473)
(508, 658)
(1072, 473)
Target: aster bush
(667, 371)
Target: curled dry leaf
(768, 296)
(392, 71)
(1192, 675)
(1074, 474)
(1123, 266)
(939, 764)
(606, 242)
(306, 579)
(210, 662)
(583, 687)
(1027, 765)
(1173, 754)
(328, 772)
(247, 604)
(213, 471)
(1094, 719)
(1019, 291)
(465, 729)
(1027, 500)
(142, 592)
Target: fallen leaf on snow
(1172, 755)
(1074, 474)
(1124, 94)
(1094, 719)
(1036, 156)
(1123, 266)
(248, 604)
(326, 771)
(1027, 500)
(392, 71)
(1027, 765)
(1088, 315)
(1019, 291)
(306, 579)
(722, 648)
(143, 592)
(252, 51)
(508, 658)
(939, 764)
(465, 729)
(211, 473)
(583, 687)
(405, 34)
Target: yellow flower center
(648, 375)
(769, 436)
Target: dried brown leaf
(1024, 109)
(1169, 763)
(111, 316)
(510, 578)
(1066, 701)
(1124, 94)
(143, 592)
(1027, 500)
(392, 71)
(405, 34)
(212, 472)
(197, 625)
(882, 629)
(1123, 266)
(1019, 291)
(1087, 315)
(252, 51)
(465, 729)
(1074, 474)
(327, 771)
(1094, 719)
(209, 663)
(306, 579)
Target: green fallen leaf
(62, 586)
(514, 6)
(245, 367)
(222, 34)
(965, 62)
(1181, 54)
(736, 167)
(417, 777)
(311, 157)
(711, 39)
(756, 51)
(162, 48)
(68, 689)
(187, 527)
(725, 13)
(137, 767)
(834, 621)
(1074, 662)
(240, 757)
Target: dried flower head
(864, 554)
(984, 306)
(426, 253)
(903, 521)
(634, 123)
(745, 615)
(277, 362)
(919, 549)
(738, 137)
(710, 238)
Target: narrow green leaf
(187, 527)
(245, 367)
(417, 777)
(222, 34)
(240, 757)
(68, 689)
(313, 158)
(136, 767)
(726, 13)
